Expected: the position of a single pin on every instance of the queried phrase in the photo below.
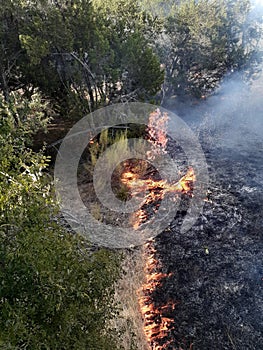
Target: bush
(54, 293)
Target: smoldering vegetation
(217, 266)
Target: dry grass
(130, 323)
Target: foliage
(205, 40)
(85, 54)
(54, 293)
(74, 52)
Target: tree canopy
(203, 41)
(84, 54)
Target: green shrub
(54, 293)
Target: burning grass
(144, 322)
(129, 324)
(157, 321)
(216, 265)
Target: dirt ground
(217, 266)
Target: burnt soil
(216, 268)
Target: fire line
(158, 322)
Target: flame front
(157, 126)
(158, 318)
(155, 191)
(157, 322)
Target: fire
(157, 127)
(138, 186)
(157, 318)
(157, 323)
(155, 191)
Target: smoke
(232, 119)
(234, 116)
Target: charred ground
(216, 268)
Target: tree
(54, 293)
(10, 48)
(76, 52)
(203, 41)
(133, 69)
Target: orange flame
(158, 323)
(157, 127)
(155, 191)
